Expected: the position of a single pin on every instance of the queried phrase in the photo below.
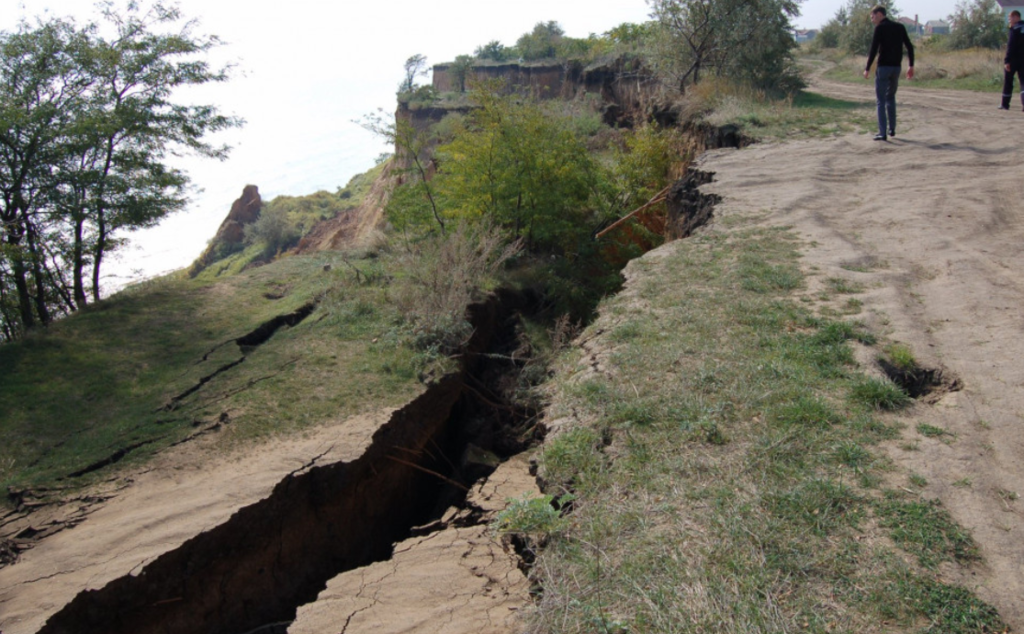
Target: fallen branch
(658, 198)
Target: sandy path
(933, 223)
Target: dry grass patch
(975, 69)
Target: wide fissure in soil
(253, 572)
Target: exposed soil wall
(274, 555)
(271, 557)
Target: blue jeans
(887, 79)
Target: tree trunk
(101, 238)
(28, 319)
(15, 231)
(42, 310)
(78, 265)
(8, 320)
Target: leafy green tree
(641, 168)
(831, 34)
(496, 51)
(88, 123)
(523, 169)
(631, 34)
(542, 42)
(750, 39)
(977, 24)
(42, 85)
(459, 71)
(133, 124)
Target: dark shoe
(892, 132)
(1004, 107)
(880, 137)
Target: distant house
(1010, 5)
(805, 35)
(936, 27)
(914, 26)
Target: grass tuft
(880, 394)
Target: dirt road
(931, 225)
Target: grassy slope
(724, 465)
(99, 380)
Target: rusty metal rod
(433, 473)
(659, 197)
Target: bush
(440, 277)
(274, 229)
(536, 517)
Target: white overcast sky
(307, 68)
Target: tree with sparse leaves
(415, 66)
(749, 40)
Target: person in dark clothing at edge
(888, 42)
(1014, 62)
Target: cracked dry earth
(931, 226)
(181, 494)
(454, 578)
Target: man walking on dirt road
(888, 42)
(1014, 62)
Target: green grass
(921, 603)
(724, 471)
(931, 431)
(902, 357)
(925, 529)
(844, 286)
(806, 114)
(881, 394)
(102, 380)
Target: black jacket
(888, 42)
(1015, 47)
